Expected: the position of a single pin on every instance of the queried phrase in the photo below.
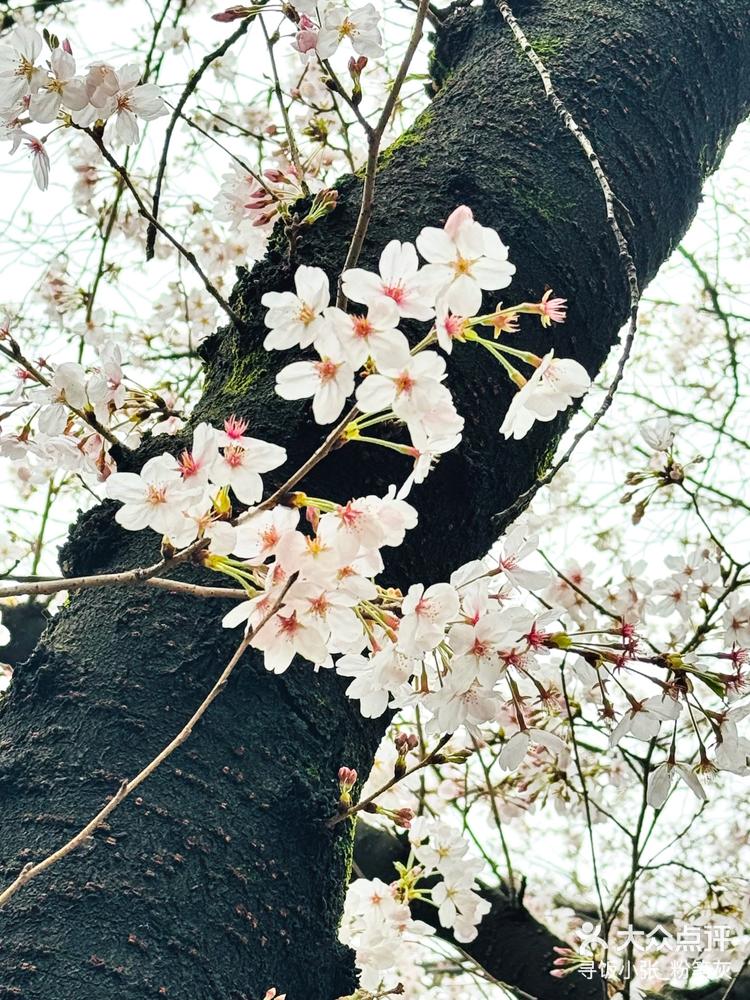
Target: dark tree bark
(221, 879)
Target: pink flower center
(348, 515)
(234, 456)
(326, 369)
(288, 626)
(270, 537)
(188, 465)
(362, 327)
(404, 383)
(395, 292)
(319, 605)
(453, 325)
(234, 427)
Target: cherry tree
(329, 285)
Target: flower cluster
(34, 93)
(378, 921)
(402, 383)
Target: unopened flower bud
(232, 14)
(347, 777)
(222, 503)
(639, 511)
(167, 548)
(403, 818)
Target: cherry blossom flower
(197, 463)
(643, 720)
(407, 385)
(101, 84)
(285, 636)
(360, 26)
(478, 644)
(449, 327)
(398, 281)
(331, 611)
(461, 701)
(39, 160)
(19, 76)
(374, 677)
(518, 745)
(312, 557)
(329, 381)
(660, 782)
(106, 389)
(552, 310)
(552, 388)
(306, 39)
(118, 93)
(459, 907)
(737, 621)
(66, 388)
(464, 258)
(4, 633)
(240, 467)
(426, 451)
(374, 335)
(516, 547)
(425, 616)
(658, 434)
(295, 319)
(62, 87)
(350, 528)
(155, 498)
(258, 538)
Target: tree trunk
(221, 879)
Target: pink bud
(306, 41)
(274, 176)
(232, 14)
(347, 777)
(458, 218)
(403, 818)
(67, 47)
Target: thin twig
(182, 101)
(187, 254)
(15, 354)
(32, 870)
(374, 138)
(610, 200)
(363, 803)
(293, 150)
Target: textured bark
(221, 879)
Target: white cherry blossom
(156, 498)
(240, 467)
(398, 282)
(464, 258)
(330, 382)
(19, 76)
(360, 26)
(374, 335)
(295, 318)
(62, 88)
(552, 388)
